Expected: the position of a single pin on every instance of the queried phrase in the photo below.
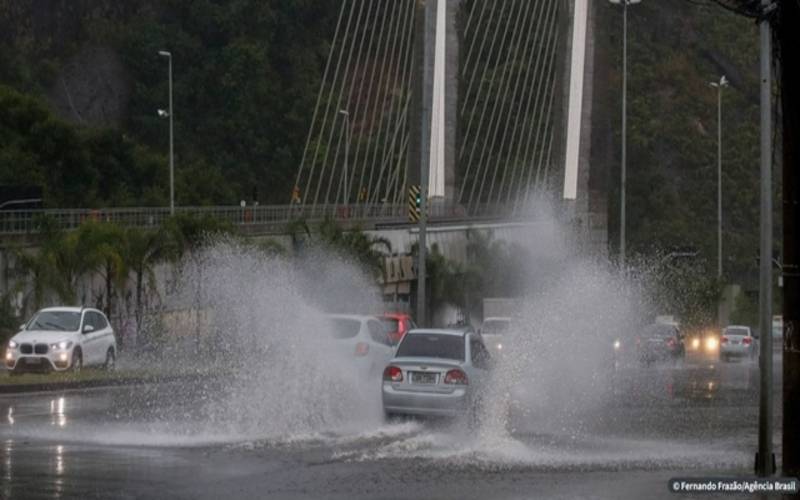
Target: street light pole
(765, 458)
(723, 82)
(168, 55)
(623, 169)
(346, 153)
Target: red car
(397, 324)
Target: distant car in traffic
(494, 331)
(703, 342)
(435, 373)
(737, 341)
(62, 338)
(364, 338)
(396, 325)
(660, 342)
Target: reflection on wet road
(152, 441)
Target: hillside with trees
(81, 81)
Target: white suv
(62, 338)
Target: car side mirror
(88, 328)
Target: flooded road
(163, 441)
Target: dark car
(660, 342)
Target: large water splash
(268, 332)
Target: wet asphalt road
(653, 423)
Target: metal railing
(272, 217)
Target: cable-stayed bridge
(487, 98)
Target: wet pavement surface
(166, 441)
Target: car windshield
(737, 331)
(432, 345)
(495, 326)
(390, 324)
(65, 321)
(343, 328)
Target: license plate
(423, 378)
(735, 342)
(33, 361)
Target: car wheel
(77, 361)
(111, 360)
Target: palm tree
(144, 248)
(104, 243)
(365, 249)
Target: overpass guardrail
(263, 217)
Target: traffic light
(414, 203)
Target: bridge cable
(383, 50)
(396, 73)
(529, 115)
(335, 78)
(398, 77)
(548, 70)
(474, 36)
(347, 129)
(336, 116)
(483, 110)
(375, 52)
(502, 57)
(537, 99)
(385, 83)
(495, 118)
(486, 30)
(319, 94)
(515, 104)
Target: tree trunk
(787, 41)
(139, 297)
(109, 288)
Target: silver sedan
(435, 373)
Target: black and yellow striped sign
(414, 203)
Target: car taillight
(393, 374)
(724, 339)
(362, 348)
(746, 340)
(456, 377)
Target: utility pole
(168, 55)
(788, 40)
(765, 457)
(723, 82)
(624, 167)
(429, 38)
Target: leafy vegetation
(246, 74)
(676, 48)
(57, 268)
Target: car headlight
(12, 344)
(695, 343)
(712, 344)
(499, 347)
(617, 345)
(64, 344)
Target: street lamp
(723, 82)
(623, 172)
(346, 152)
(169, 113)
